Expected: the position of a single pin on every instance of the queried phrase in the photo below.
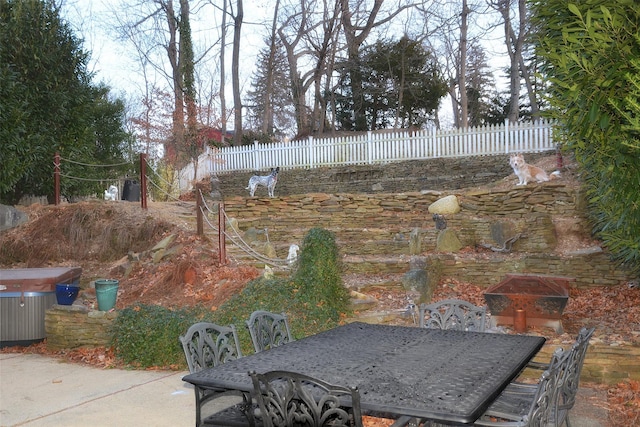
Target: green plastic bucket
(106, 292)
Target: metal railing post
(143, 180)
(222, 244)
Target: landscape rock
(445, 206)
(11, 217)
(448, 241)
(414, 242)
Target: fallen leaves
(624, 400)
(100, 357)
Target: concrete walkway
(42, 391)
(37, 390)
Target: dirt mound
(115, 240)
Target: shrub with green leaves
(590, 58)
(146, 336)
(319, 279)
(314, 299)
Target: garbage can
(131, 191)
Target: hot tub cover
(37, 279)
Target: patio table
(441, 375)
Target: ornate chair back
(544, 409)
(290, 399)
(207, 345)
(268, 330)
(453, 314)
(571, 375)
(536, 409)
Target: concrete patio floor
(37, 390)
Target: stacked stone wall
(604, 363)
(73, 326)
(392, 177)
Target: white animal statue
(293, 253)
(111, 193)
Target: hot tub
(25, 296)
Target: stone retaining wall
(373, 210)
(589, 269)
(381, 224)
(73, 326)
(392, 177)
(607, 363)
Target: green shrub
(314, 300)
(321, 293)
(146, 336)
(273, 295)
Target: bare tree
(515, 43)
(223, 45)
(462, 75)
(323, 44)
(235, 73)
(267, 120)
(453, 29)
(153, 27)
(291, 31)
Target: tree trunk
(178, 94)
(223, 98)
(462, 77)
(192, 145)
(235, 71)
(267, 118)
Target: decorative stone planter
(536, 300)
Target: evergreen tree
(267, 113)
(480, 86)
(401, 83)
(49, 105)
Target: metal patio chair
(268, 330)
(290, 399)
(207, 345)
(453, 314)
(569, 381)
(538, 409)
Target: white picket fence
(374, 148)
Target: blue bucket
(66, 294)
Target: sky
(112, 60)
(114, 63)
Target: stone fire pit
(541, 297)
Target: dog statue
(268, 181)
(111, 193)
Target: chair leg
(406, 422)
(198, 415)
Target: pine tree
(272, 115)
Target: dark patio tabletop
(437, 374)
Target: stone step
(367, 264)
(350, 241)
